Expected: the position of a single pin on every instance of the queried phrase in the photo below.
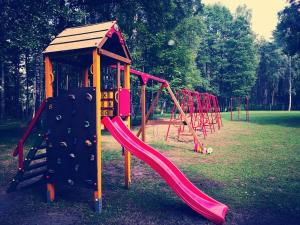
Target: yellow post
(48, 78)
(97, 85)
(48, 94)
(85, 82)
(127, 153)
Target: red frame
(246, 102)
(19, 150)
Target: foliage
(228, 58)
(288, 29)
(203, 48)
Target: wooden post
(85, 82)
(48, 78)
(143, 105)
(127, 154)
(97, 86)
(184, 117)
(153, 104)
(48, 94)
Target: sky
(264, 13)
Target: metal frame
(239, 100)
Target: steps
(35, 166)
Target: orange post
(48, 78)
(97, 86)
(85, 82)
(49, 93)
(127, 154)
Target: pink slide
(189, 193)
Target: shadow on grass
(287, 119)
(280, 118)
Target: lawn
(254, 169)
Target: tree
(287, 35)
(271, 70)
(228, 58)
(288, 28)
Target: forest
(206, 48)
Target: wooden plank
(79, 37)
(97, 85)
(115, 56)
(102, 42)
(85, 81)
(48, 78)
(72, 46)
(127, 154)
(183, 115)
(87, 29)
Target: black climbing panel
(71, 146)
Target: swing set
(69, 149)
(202, 110)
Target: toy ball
(209, 150)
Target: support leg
(127, 154)
(50, 192)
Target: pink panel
(124, 102)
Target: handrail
(19, 150)
(144, 76)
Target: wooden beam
(49, 93)
(48, 78)
(97, 85)
(114, 56)
(102, 42)
(153, 104)
(127, 154)
(85, 81)
(184, 116)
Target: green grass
(254, 169)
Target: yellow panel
(86, 29)
(111, 104)
(104, 112)
(111, 94)
(104, 94)
(79, 37)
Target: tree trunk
(272, 99)
(163, 107)
(27, 87)
(2, 90)
(38, 81)
(17, 104)
(290, 83)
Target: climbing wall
(71, 145)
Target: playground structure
(236, 103)
(69, 151)
(202, 110)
